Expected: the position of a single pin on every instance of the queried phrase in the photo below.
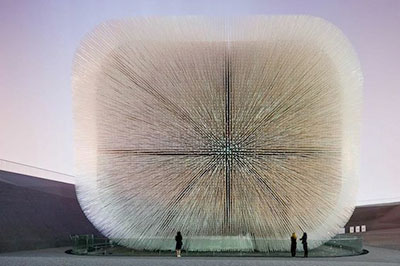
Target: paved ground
(53, 257)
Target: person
(178, 247)
(293, 244)
(304, 242)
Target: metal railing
(341, 245)
(30, 170)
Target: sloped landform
(38, 213)
(382, 222)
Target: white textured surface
(156, 153)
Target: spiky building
(234, 131)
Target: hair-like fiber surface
(234, 131)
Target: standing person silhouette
(293, 244)
(304, 242)
(178, 247)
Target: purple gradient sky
(39, 38)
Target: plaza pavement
(57, 256)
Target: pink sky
(39, 38)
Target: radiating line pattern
(216, 127)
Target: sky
(38, 40)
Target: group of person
(293, 246)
